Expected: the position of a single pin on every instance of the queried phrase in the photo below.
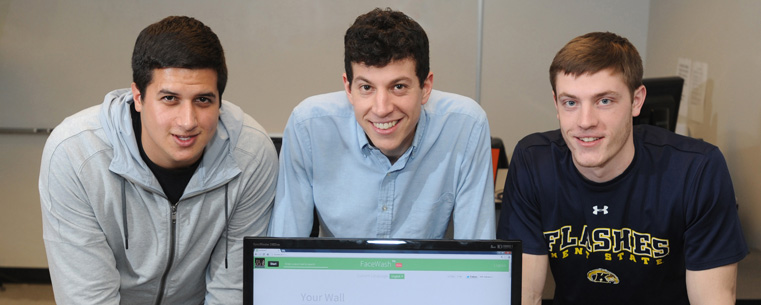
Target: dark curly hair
(596, 51)
(177, 42)
(382, 36)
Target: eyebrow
(165, 91)
(566, 95)
(208, 95)
(205, 94)
(402, 79)
(607, 93)
(361, 79)
(393, 81)
(596, 96)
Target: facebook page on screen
(370, 277)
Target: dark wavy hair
(596, 51)
(177, 42)
(382, 36)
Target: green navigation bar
(331, 263)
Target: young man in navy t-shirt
(621, 214)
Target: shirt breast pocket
(429, 218)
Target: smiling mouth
(184, 138)
(386, 125)
(588, 139)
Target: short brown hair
(597, 51)
(382, 36)
(177, 42)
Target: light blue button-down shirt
(327, 162)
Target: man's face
(595, 113)
(179, 114)
(387, 103)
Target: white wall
(57, 57)
(725, 35)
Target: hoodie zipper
(162, 284)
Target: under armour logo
(604, 210)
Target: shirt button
(385, 208)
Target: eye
(169, 98)
(204, 100)
(399, 86)
(365, 87)
(570, 103)
(605, 101)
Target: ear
(555, 99)
(427, 88)
(638, 99)
(137, 98)
(347, 88)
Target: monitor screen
(374, 272)
(661, 107)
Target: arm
(292, 214)
(521, 219)
(82, 265)
(534, 276)
(249, 216)
(474, 207)
(713, 223)
(712, 286)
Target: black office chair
(496, 143)
(499, 160)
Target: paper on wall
(698, 79)
(683, 70)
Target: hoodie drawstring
(124, 215)
(227, 226)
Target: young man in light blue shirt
(388, 157)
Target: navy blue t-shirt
(628, 240)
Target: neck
(610, 169)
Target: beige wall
(57, 57)
(20, 218)
(520, 40)
(61, 56)
(725, 35)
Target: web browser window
(369, 277)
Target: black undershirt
(172, 181)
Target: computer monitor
(380, 271)
(661, 107)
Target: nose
(588, 116)
(382, 106)
(186, 118)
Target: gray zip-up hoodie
(112, 237)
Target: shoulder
(81, 134)
(540, 151)
(542, 140)
(442, 103)
(84, 120)
(334, 104)
(657, 138)
(244, 131)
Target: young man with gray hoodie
(146, 197)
